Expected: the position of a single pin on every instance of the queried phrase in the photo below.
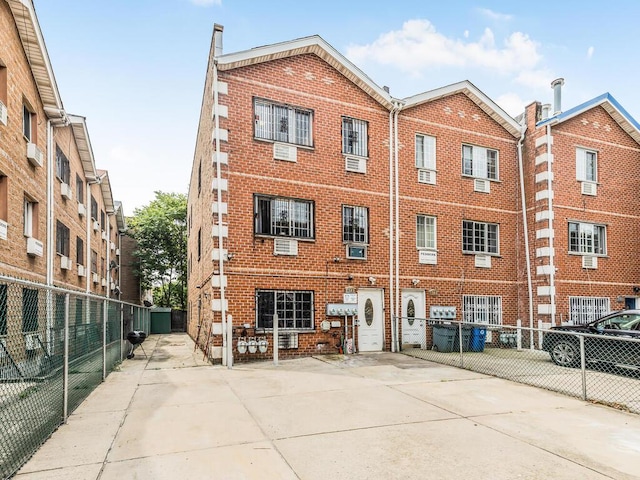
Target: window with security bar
(283, 217)
(79, 251)
(29, 310)
(62, 238)
(355, 137)
(63, 170)
(586, 165)
(479, 162)
(283, 123)
(355, 224)
(480, 237)
(294, 309)
(426, 232)
(583, 310)
(587, 238)
(426, 152)
(94, 261)
(485, 309)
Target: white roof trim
(81, 135)
(307, 45)
(34, 48)
(470, 90)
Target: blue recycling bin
(478, 337)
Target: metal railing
(56, 347)
(599, 368)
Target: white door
(370, 320)
(413, 317)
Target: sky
(136, 68)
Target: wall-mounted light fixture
(415, 281)
(372, 280)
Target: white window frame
(475, 162)
(27, 123)
(587, 245)
(28, 217)
(427, 238)
(425, 151)
(477, 228)
(583, 310)
(355, 137)
(485, 309)
(586, 165)
(268, 114)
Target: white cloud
(206, 3)
(466, 34)
(500, 17)
(538, 79)
(418, 46)
(590, 52)
(511, 103)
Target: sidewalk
(367, 416)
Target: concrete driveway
(367, 416)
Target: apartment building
(317, 196)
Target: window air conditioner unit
(31, 341)
(104, 282)
(282, 151)
(96, 225)
(287, 341)
(81, 271)
(65, 191)
(353, 164)
(95, 278)
(34, 247)
(3, 347)
(358, 252)
(589, 188)
(104, 235)
(117, 252)
(426, 176)
(285, 246)
(3, 113)
(4, 230)
(113, 246)
(590, 262)
(481, 185)
(483, 261)
(82, 210)
(65, 263)
(34, 155)
(112, 285)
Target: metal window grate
(587, 309)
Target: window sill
(496, 255)
(264, 331)
(266, 140)
(581, 254)
(265, 237)
(494, 180)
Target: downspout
(49, 203)
(398, 310)
(87, 255)
(391, 229)
(552, 266)
(108, 244)
(526, 232)
(219, 202)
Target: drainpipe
(221, 258)
(396, 177)
(552, 266)
(526, 233)
(391, 229)
(87, 205)
(50, 173)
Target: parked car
(599, 347)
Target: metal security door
(370, 320)
(413, 314)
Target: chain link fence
(56, 347)
(595, 367)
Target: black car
(600, 347)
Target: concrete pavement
(367, 416)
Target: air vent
(589, 188)
(65, 263)
(426, 176)
(65, 191)
(481, 185)
(590, 262)
(287, 341)
(4, 230)
(34, 247)
(282, 151)
(81, 271)
(3, 113)
(82, 210)
(34, 155)
(483, 261)
(353, 164)
(358, 252)
(285, 246)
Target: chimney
(546, 109)
(217, 39)
(557, 95)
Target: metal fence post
(65, 362)
(583, 367)
(519, 334)
(229, 342)
(460, 344)
(104, 339)
(275, 339)
(121, 337)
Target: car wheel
(565, 353)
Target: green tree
(160, 230)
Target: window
(586, 165)
(63, 171)
(29, 310)
(426, 152)
(79, 251)
(59, 312)
(29, 124)
(354, 137)
(103, 224)
(283, 123)
(62, 238)
(3, 310)
(4, 197)
(479, 162)
(199, 177)
(485, 309)
(283, 217)
(587, 238)
(103, 268)
(426, 232)
(94, 261)
(355, 224)
(79, 311)
(294, 309)
(199, 243)
(587, 309)
(79, 189)
(94, 208)
(479, 237)
(3, 84)
(30, 218)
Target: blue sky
(136, 68)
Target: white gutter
(552, 266)
(221, 258)
(526, 233)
